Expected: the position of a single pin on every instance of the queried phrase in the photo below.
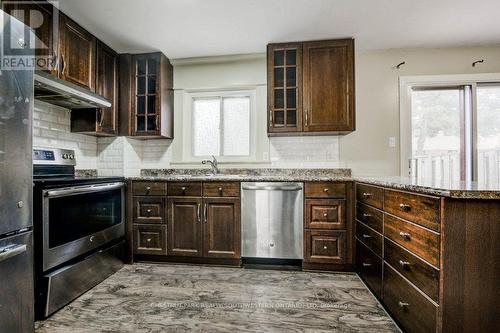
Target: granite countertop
(460, 190)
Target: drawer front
(325, 190)
(222, 189)
(409, 307)
(149, 210)
(422, 242)
(150, 239)
(325, 246)
(373, 240)
(149, 188)
(420, 209)
(325, 214)
(370, 216)
(421, 274)
(371, 195)
(184, 189)
(369, 267)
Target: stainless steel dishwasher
(272, 220)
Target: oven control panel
(53, 156)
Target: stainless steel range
(78, 226)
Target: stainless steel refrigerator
(16, 187)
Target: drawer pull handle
(403, 304)
(365, 264)
(367, 195)
(404, 207)
(325, 247)
(404, 235)
(365, 236)
(198, 213)
(325, 214)
(325, 190)
(367, 215)
(404, 264)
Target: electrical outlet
(392, 141)
(265, 156)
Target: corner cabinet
(104, 121)
(147, 95)
(311, 87)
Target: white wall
(367, 149)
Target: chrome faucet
(213, 164)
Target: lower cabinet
(369, 267)
(150, 239)
(184, 227)
(325, 246)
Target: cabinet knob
(220, 189)
(148, 188)
(365, 264)
(20, 204)
(325, 190)
(325, 247)
(365, 236)
(367, 195)
(325, 214)
(402, 304)
(404, 207)
(148, 240)
(149, 211)
(367, 215)
(404, 264)
(404, 235)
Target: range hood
(53, 90)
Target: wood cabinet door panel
(420, 241)
(149, 188)
(369, 267)
(371, 195)
(325, 246)
(325, 214)
(150, 239)
(221, 228)
(372, 239)
(107, 86)
(329, 85)
(192, 189)
(370, 216)
(409, 307)
(221, 189)
(149, 210)
(78, 54)
(325, 190)
(184, 227)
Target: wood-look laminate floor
(183, 298)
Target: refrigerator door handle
(11, 251)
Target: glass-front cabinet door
(146, 117)
(284, 62)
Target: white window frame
(406, 83)
(190, 96)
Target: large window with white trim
(450, 128)
(221, 124)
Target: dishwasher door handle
(271, 188)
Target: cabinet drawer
(224, 189)
(150, 239)
(325, 214)
(184, 189)
(421, 274)
(149, 188)
(409, 307)
(370, 216)
(421, 209)
(369, 268)
(422, 242)
(371, 195)
(325, 246)
(325, 190)
(149, 210)
(373, 240)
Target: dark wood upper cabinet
(104, 121)
(77, 54)
(284, 89)
(311, 87)
(42, 18)
(146, 95)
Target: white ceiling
(196, 28)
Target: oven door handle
(83, 189)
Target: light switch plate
(392, 141)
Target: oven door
(79, 219)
